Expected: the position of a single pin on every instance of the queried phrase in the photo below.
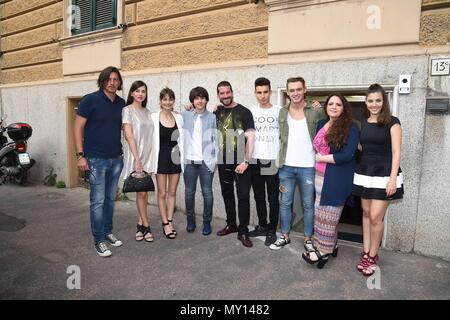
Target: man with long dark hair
(97, 134)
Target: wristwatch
(246, 162)
(80, 155)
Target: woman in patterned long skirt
(335, 145)
(378, 177)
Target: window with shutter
(91, 15)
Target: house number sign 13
(440, 67)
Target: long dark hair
(104, 77)
(384, 118)
(337, 134)
(134, 86)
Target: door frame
(72, 170)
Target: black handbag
(138, 182)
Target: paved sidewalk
(44, 231)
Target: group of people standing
(269, 148)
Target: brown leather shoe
(227, 230)
(245, 240)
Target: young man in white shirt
(263, 168)
(201, 150)
(298, 122)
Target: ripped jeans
(103, 178)
(304, 178)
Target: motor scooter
(15, 161)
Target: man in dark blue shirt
(98, 146)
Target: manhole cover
(11, 224)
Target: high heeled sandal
(307, 257)
(308, 245)
(148, 236)
(139, 233)
(335, 251)
(323, 259)
(371, 266)
(170, 235)
(363, 261)
(171, 224)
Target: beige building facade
(50, 59)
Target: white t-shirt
(195, 151)
(300, 152)
(267, 143)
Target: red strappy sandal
(363, 261)
(371, 266)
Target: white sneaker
(102, 249)
(280, 243)
(113, 240)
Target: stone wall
(173, 33)
(29, 33)
(434, 181)
(161, 34)
(435, 23)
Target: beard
(230, 99)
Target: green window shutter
(90, 15)
(105, 14)
(82, 14)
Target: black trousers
(265, 173)
(228, 178)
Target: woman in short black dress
(378, 177)
(168, 145)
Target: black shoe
(271, 237)
(258, 231)
(190, 227)
(206, 228)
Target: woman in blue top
(335, 144)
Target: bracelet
(79, 155)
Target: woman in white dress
(139, 130)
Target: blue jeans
(191, 173)
(103, 178)
(304, 178)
